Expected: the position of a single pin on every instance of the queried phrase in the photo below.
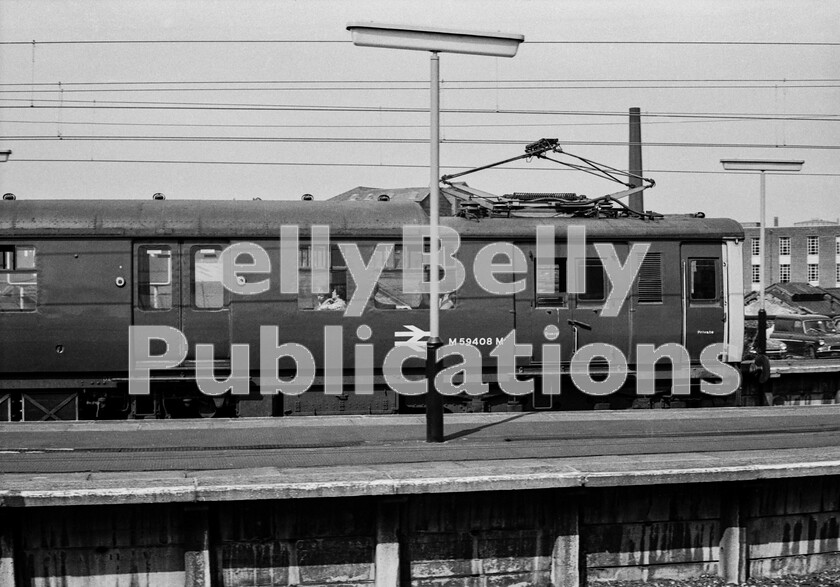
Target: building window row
(813, 245)
(784, 245)
(784, 273)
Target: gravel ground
(824, 579)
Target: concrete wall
(792, 527)
(645, 533)
(101, 546)
(536, 537)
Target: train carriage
(75, 275)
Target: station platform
(780, 367)
(168, 461)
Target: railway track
(282, 443)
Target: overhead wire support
(558, 204)
(536, 149)
(541, 147)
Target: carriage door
(179, 285)
(703, 309)
(543, 317)
(205, 303)
(157, 279)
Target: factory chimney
(637, 201)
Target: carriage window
(389, 292)
(703, 280)
(319, 289)
(18, 280)
(155, 278)
(208, 290)
(554, 278)
(596, 286)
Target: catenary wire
(348, 41)
(390, 165)
(333, 126)
(418, 141)
(155, 105)
(614, 86)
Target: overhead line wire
(394, 165)
(732, 86)
(348, 41)
(417, 81)
(157, 105)
(418, 141)
(424, 126)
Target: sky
(242, 99)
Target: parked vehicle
(775, 349)
(810, 335)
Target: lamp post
(435, 41)
(762, 166)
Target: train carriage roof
(262, 219)
(201, 218)
(665, 228)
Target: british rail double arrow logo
(414, 337)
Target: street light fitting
(761, 165)
(4, 156)
(434, 41)
(368, 34)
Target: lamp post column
(434, 402)
(761, 338)
(435, 41)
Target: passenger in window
(335, 302)
(447, 301)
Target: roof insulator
(9, 197)
(158, 196)
(307, 197)
(384, 198)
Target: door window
(154, 277)
(596, 283)
(703, 278)
(208, 290)
(18, 280)
(554, 278)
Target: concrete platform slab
(375, 456)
